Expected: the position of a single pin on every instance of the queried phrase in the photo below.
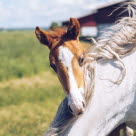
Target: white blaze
(75, 99)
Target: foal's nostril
(70, 109)
(83, 104)
(80, 113)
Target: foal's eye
(53, 66)
(81, 60)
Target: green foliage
(54, 25)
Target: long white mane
(116, 42)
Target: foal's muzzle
(77, 111)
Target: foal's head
(66, 60)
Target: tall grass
(26, 109)
(29, 90)
(21, 55)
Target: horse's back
(108, 70)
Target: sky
(31, 13)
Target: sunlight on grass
(27, 108)
(29, 119)
(41, 79)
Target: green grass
(26, 109)
(21, 55)
(29, 90)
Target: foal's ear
(73, 29)
(44, 37)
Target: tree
(54, 25)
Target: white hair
(116, 42)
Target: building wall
(87, 21)
(89, 31)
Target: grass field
(29, 90)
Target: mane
(116, 42)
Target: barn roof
(102, 5)
(91, 16)
(112, 2)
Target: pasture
(29, 89)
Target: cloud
(71, 2)
(30, 13)
(20, 13)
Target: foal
(66, 59)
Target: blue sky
(30, 13)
